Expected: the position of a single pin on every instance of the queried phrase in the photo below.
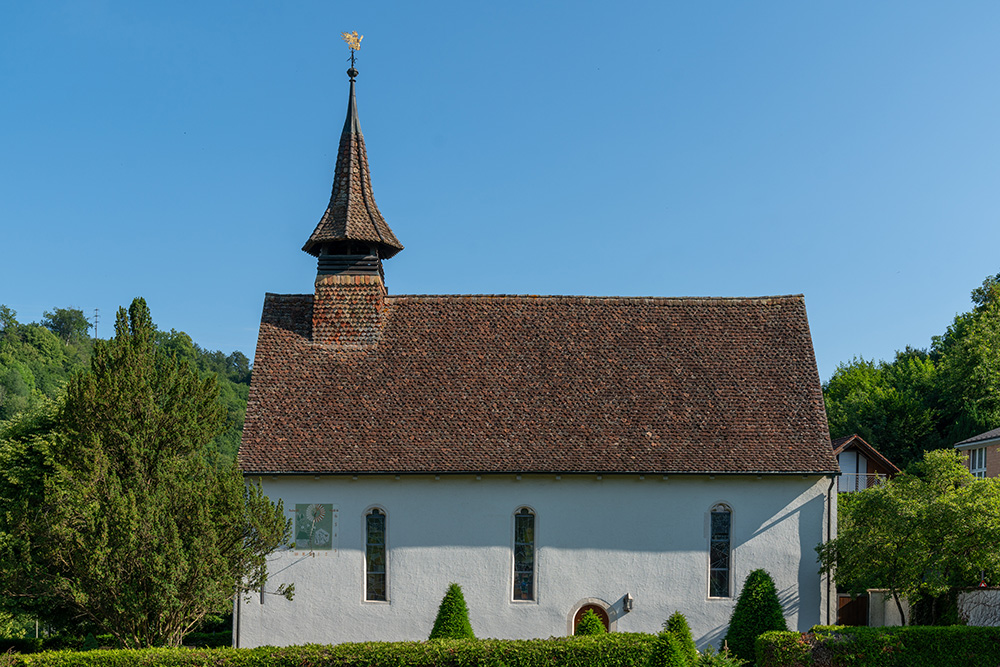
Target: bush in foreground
(452, 620)
(590, 624)
(607, 650)
(757, 611)
(911, 646)
(677, 625)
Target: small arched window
(524, 554)
(376, 584)
(719, 550)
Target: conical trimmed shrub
(667, 652)
(590, 624)
(757, 611)
(452, 620)
(677, 625)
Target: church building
(550, 454)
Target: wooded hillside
(925, 399)
(37, 360)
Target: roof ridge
(584, 297)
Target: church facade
(551, 454)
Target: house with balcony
(861, 465)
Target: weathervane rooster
(353, 40)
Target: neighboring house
(551, 454)
(982, 453)
(861, 465)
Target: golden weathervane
(353, 39)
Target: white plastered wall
(595, 539)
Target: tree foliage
(452, 621)
(590, 624)
(115, 508)
(924, 400)
(666, 652)
(757, 611)
(69, 324)
(677, 625)
(928, 530)
(37, 360)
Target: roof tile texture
(540, 384)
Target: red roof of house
(503, 384)
(855, 440)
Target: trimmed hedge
(608, 650)
(68, 643)
(912, 646)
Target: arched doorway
(597, 609)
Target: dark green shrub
(90, 643)
(452, 620)
(757, 611)
(911, 646)
(607, 650)
(782, 648)
(667, 651)
(710, 658)
(677, 625)
(590, 624)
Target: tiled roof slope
(541, 384)
(982, 437)
(352, 213)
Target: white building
(550, 454)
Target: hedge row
(64, 643)
(609, 650)
(917, 646)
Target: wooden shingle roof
(505, 384)
(352, 214)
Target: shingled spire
(351, 240)
(352, 237)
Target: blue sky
(183, 152)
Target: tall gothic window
(524, 555)
(375, 572)
(719, 550)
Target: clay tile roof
(497, 384)
(352, 214)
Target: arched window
(719, 549)
(376, 584)
(524, 554)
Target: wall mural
(315, 527)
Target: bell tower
(350, 242)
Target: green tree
(67, 323)
(969, 360)
(920, 535)
(115, 509)
(452, 620)
(757, 611)
(890, 405)
(666, 652)
(677, 625)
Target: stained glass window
(375, 572)
(524, 555)
(718, 552)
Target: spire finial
(353, 40)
